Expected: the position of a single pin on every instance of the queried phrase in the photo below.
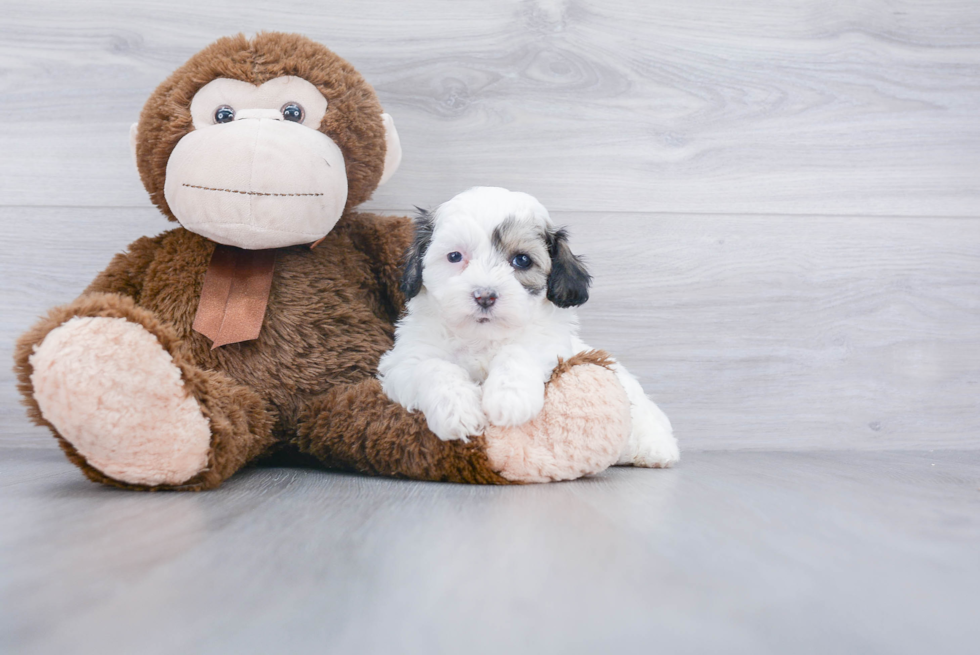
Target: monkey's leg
(581, 430)
(128, 405)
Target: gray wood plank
(815, 332)
(751, 332)
(731, 552)
(865, 108)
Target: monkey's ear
(393, 149)
(134, 132)
(569, 280)
(412, 277)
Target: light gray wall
(779, 199)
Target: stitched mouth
(248, 193)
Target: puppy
(491, 284)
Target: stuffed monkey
(257, 324)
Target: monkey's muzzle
(257, 183)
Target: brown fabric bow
(235, 294)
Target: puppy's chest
(475, 361)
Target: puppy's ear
(412, 277)
(569, 280)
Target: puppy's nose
(485, 297)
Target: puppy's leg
(450, 400)
(513, 392)
(652, 443)
(443, 391)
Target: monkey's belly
(322, 326)
(298, 357)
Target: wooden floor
(780, 202)
(732, 552)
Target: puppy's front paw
(508, 403)
(652, 443)
(456, 413)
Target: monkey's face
(263, 142)
(255, 172)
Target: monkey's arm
(384, 240)
(125, 273)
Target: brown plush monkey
(229, 338)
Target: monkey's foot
(582, 429)
(114, 393)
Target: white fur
(464, 371)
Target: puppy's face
(489, 258)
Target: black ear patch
(569, 280)
(412, 276)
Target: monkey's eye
(224, 114)
(293, 111)
(455, 257)
(521, 261)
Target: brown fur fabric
(307, 382)
(597, 357)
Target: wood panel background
(779, 199)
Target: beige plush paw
(114, 393)
(581, 430)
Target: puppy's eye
(224, 114)
(455, 257)
(293, 111)
(521, 261)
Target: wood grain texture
(750, 332)
(799, 332)
(864, 553)
(767, 194)
(858, 108)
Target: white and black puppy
(491, 284)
